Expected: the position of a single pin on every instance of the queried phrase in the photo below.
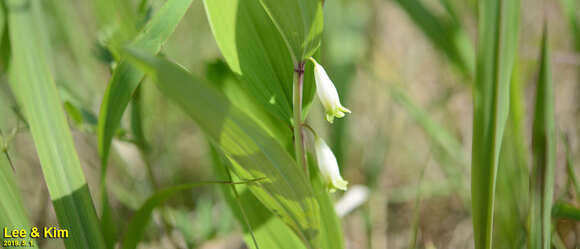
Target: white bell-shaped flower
(327, 93)
(328, 166)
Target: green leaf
(544, 155)
(126, 78)
(300, 22)
(571, 172)
(4, 38)
(566, 211)
(12, 212)
(268, 230)
(32, 83)
(497, 43)
(123, 84)
(253, 153)
(441, 138)
(331, 235)
(513, 175)
(224, 79)
(255, 52)
(570, 9)
(75, 40)
(138, 223)
(446, 35)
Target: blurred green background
(404, 67)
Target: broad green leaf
(446, 35)
(12, 212)
(300, 23)
(126, 78)
(268, 230)
(224, 79)
(497, 43)
(138, 223)
(544, 155)
(255, 52)
(253, 153)
(32, 83)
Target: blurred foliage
(406, 68)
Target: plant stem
(297, 107)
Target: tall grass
(35, 90)
(497, 42)
(257, 107)
(544, 151)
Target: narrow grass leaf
(447, 35)
(123, 84)
(12, 212)
(252, 152)
(571, 172)
(126, 78)
(564, 210)
(513, 176)
(138, 223)
(4, 38)
(497, 43)
(449, 150)
(570, 8)
(32, 83)
(544, 155)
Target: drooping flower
(328, 166)
(327, 93)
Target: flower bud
(328, 166)
(327, 93)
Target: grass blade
(448, 36)
(449, 150)
(570, 9)
(251, 150)
(138, 223)
(124, 82)
(512, 180)
(12, 212)
(126, 78)
(544, 155)
(498, 29)
(571, 172)
(566, 211)
(34, 88)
